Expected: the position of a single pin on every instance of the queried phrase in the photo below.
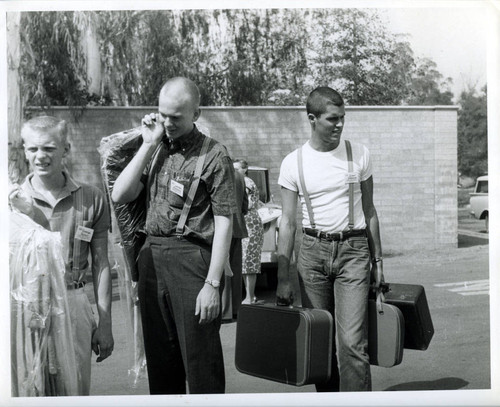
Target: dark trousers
(178, 349)
(231, 296)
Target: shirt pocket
(178, 188)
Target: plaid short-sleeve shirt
(169, 182)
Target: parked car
(479, 200)
(270, 213)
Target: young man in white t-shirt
(335, 258)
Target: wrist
(212, 283)
(378, 259)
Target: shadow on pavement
(447, 383)
(469, 241)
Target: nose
(40, 154)
(167, 121)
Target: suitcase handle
(380, 299)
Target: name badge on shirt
(84, 233)
(352, 178)
(177, 188)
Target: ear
(312, 119)
(67, 148)
(197, 114)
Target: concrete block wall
(414, 153)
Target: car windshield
(482, 186)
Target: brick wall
(414, 152)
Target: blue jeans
(335, 276)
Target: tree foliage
(52, 63)
(237, 56)
(428, 87)
(473, 133)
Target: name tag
(352, 178)
(177, 188)
(84, 233)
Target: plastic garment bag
(42, 352)
(125, 240)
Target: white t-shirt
(325, 176)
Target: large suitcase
(291, 345)
(386, 332)
(412, 301)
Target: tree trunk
(18, 168)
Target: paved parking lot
(457, 287)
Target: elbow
(120, 197)
(117, 197)
(288, 224)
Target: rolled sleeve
(221, 185)
(101, 218)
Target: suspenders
(351, 185)
(306, 195)
(192, 189)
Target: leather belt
(75, 285)
(334, 237)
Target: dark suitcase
(385, 334)
(411, 300)
(289, 345)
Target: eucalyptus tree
(52, 64)
(473, 132)
(355, 53)
(428, 86)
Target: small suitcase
(291, 345)
(412, 301)
(385, 334)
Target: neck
(322, 147)
(51, 184)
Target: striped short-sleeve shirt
(62, 218)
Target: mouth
(42, 167)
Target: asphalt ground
(456, 283)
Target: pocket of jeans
(357, 243)
(308, 241)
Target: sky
(453, 37)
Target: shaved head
(179, 106)
(181, 89)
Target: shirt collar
(183, 142)
(70, 186)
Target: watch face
(213, 283)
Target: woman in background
(252, 245)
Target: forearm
(373, 230)
(128, 184)
(286, 242)
(220, 248)
(103, 293)
(102, 281)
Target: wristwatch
(213, 283)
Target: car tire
(487, 223)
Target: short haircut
(241, 162)
(187, 84)
(45, 124)
(320, 97)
